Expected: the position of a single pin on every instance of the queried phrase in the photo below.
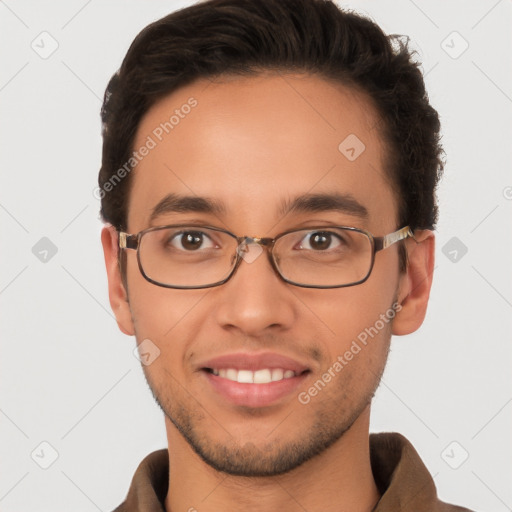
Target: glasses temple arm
(385, 241)
(127, 241)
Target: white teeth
(263, 376)
(277, 374)
(245, 376)
(231, 374)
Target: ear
(116, 290)
(415, 282)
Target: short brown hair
(247, 36)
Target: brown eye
(320, 241)
(191, 241)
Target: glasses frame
(133, 241)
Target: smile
(263, 376)
(252, 379)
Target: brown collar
(401, 477)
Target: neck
(339, 479)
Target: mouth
(251, 380)
(263, 376)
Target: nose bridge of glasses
(250, 247)
(247, 240)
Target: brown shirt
(401, 477)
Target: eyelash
(306, 239)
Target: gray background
(69, 377)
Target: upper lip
(254, 361)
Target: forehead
(252, 143)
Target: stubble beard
(332, 419)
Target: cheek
(359, 315)
(169, 318)
(156, 310)
(349, 311)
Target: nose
(255, 300)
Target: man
(269, 173)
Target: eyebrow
(174, 203)
(344, 203)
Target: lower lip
(254, 395)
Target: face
(251, 146)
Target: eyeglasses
(189, 257)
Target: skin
(250, 143)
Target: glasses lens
(187, 256)
(324, 257)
